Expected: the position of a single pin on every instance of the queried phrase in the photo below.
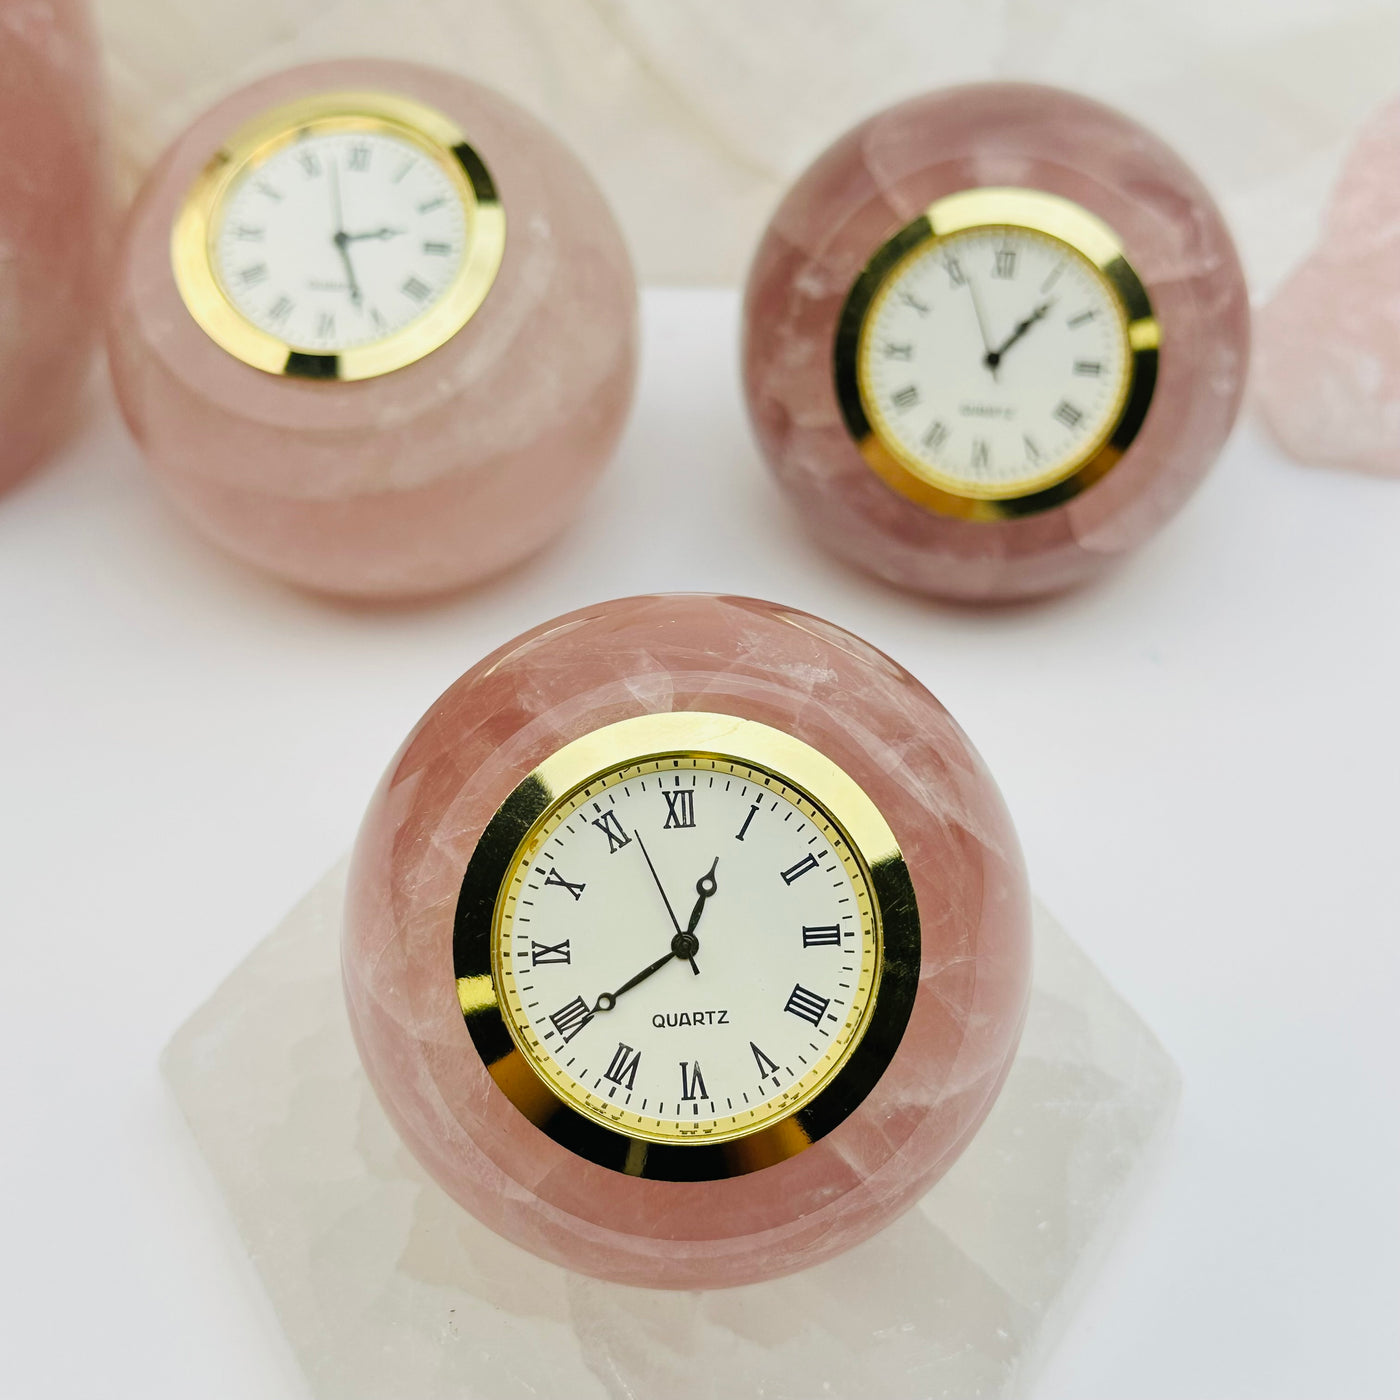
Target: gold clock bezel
(608, 1135)
(197, 224)
(1085, 236)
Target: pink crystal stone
(52, 222)
(882, 175)
(651, 655)
(1328, 373)
(432, 476)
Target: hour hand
(705, 888)
(373, 233)
(994, 356)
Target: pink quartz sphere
(427, 478)
(53, 224)
(884, 174)
(659, 654)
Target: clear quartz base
(386, 1288)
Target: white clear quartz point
(386, 1288)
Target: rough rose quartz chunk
(430, 477)
(1328, 377)
(658, 654)
(880, 176)
(52, 223)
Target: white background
(695, 115)
(1201, 754)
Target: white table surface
(1202, 755)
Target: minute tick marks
(339, 216)
(1001, 321)
(656, 945)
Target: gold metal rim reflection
(1084, 236)
(196, 227)
(808, 1112)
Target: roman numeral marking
(1089, 367)
(1068, 414)
(325, 324)
(623, 1069)
(1005, 264)
(270, 191)
(807, 1006)
(544, 953)
(379, 322)
(251, 276)
(244, 234)
(429, 205)
(898, 352)
(555, 878)
(609, 825)
(1053, 277)
(766, 1066)
(680, 807)
(403, 170)
(416, 289)
(359, 156)
(936, 435)
(913, 303)
(437, 250)
(1032, 451)
(571, 1019)
(753, 812)
(956, 276)
(310, 162)
(1082, 319)
(821, 935)
(981, 454)
(796, 872)
(906, 397)
(693, 1082)
(280, 310)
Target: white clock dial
(724, 1033)
(994, 361)
(340, 238)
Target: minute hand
(608, 1000)
(994, 356)
(675, 922)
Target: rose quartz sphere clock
(375, 328)
(52, 223)
(993, 338)
(687, 940)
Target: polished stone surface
(879, 177)
(655, 654)
(385, 1287)
(53, 222)
(1328, 375)
(433, 476)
